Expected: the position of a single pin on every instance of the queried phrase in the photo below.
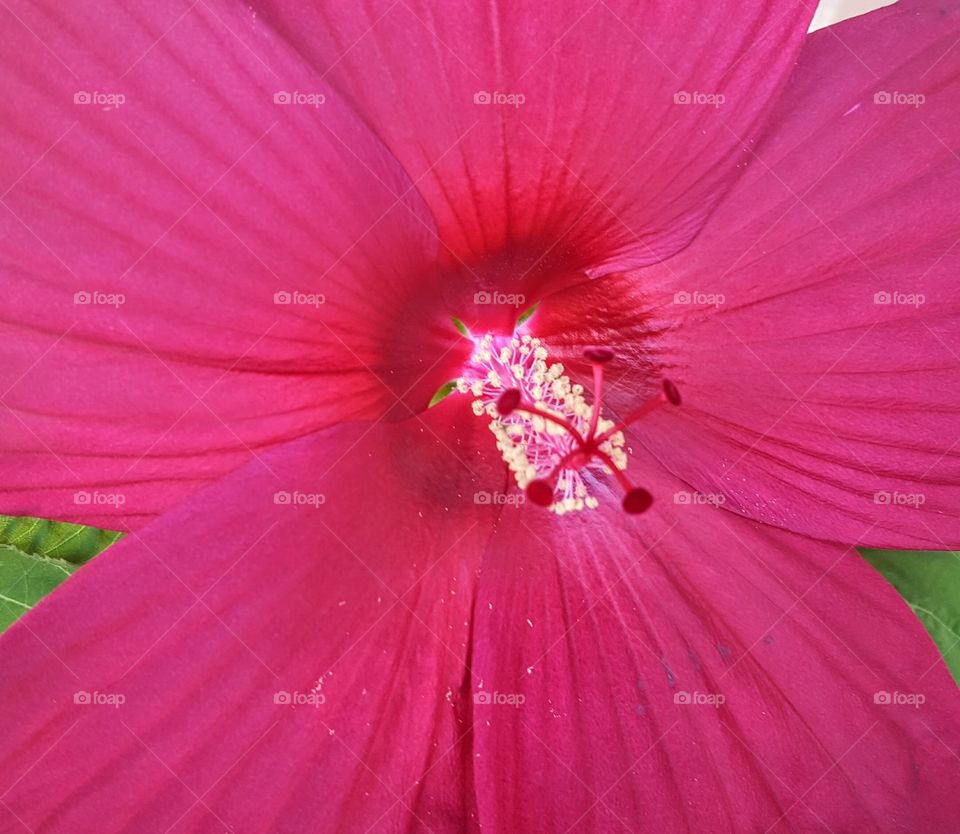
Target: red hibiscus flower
(234, 239)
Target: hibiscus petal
(814, 326)
(224, 623)
(143, 350)
(689, 670)
(580, 128)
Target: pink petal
(688, 670)
(807, 403)
(598, 165)
(200, 619)
(197, 199)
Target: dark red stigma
(672, 393)
(508, 401)
(540, 492)
(599, 354)
(636, 500)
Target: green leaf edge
(12, 608)
(526, 314)
(74, 543)
(443, 392)
(896, 566)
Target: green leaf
(525, 315)
(25, 579)
(443, 392)
(36, 555)
(57, 539)
(460, 326)
(930, 583)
